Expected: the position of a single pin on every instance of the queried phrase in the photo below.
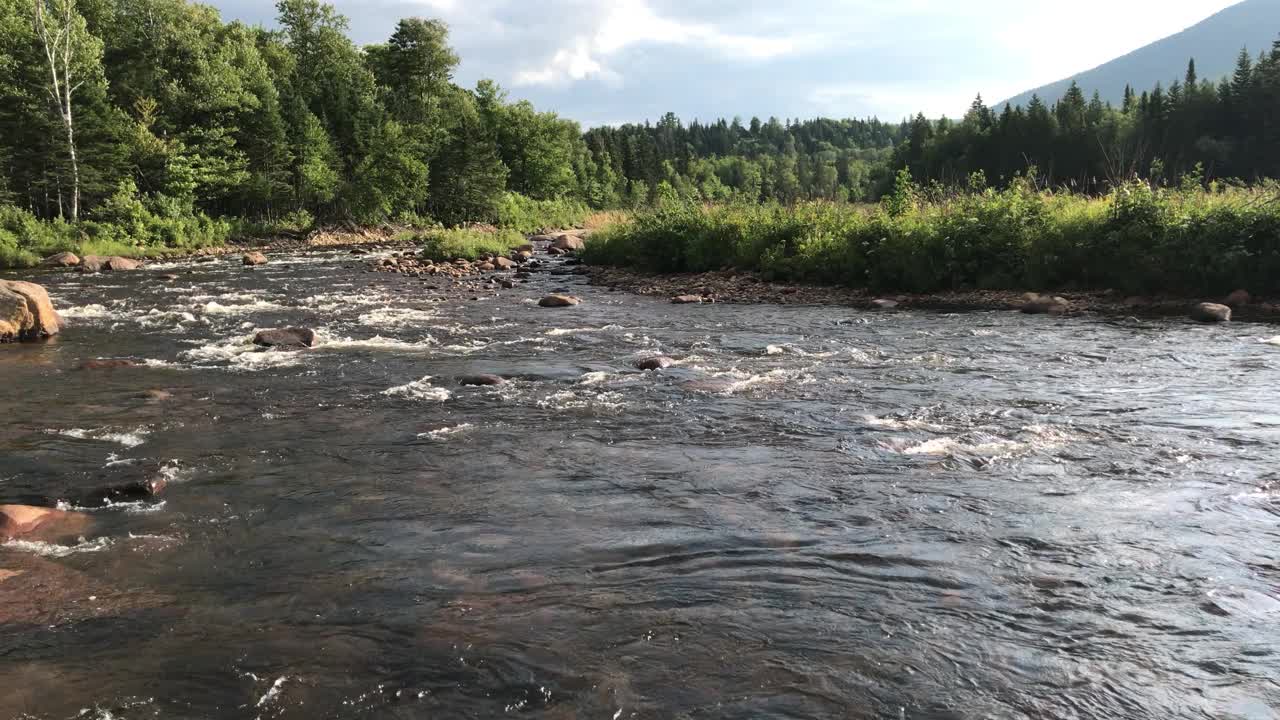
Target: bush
(469, 243)
(1138, 239)
(526, 215)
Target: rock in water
(481, 380)
(19, 521)
(655, 363)
(62, 259)
(1238, 299)
(1211, 313)
(286, 337)
(687, 300)
(115, 263)
(568, 243)
(503, 263)
(25, 312)
(254, 258)
(884, 304)
(557, 301)
(1036, 304)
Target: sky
(614, 61)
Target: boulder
(26, 312)
(62, 259)
(525, 248)
(481, 380)
(254, 258)
(687, 300)
(542, 238)
(655, 363)
(553, 251)
(558, 301)
(1211, 313)
(116, 263)
(508, 284)
(21, 521)
(136, 491)
(568, 243)
(286, 337)
(1036, 304)
(1238, 299)
(884, 304)
(487, 267)
(503, 263)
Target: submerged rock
(557, 301)
(1211, 313)
(110, 363)
(26, 312)
(254, 258)
(62, 259)
(21, 521)
(655, 363)
(126, 492)
(884, 304)
(286, 337)
(481, 380)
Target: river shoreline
(747, 288)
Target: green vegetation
(466, 242)
(523, 214)
(1137, 239)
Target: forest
(139, 124)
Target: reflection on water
(814, 513)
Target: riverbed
(817, 512)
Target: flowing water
(817, 513)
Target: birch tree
(72, 56)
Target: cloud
(601, 60)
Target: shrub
(469, 243)
(526, 215)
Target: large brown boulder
(557, 301)
(286, 337)
(1211, 313)
(25, 312)
(568, 243)
(24, 521)
(62, 259)
(254, 258)
(502, 263)
(115, 263)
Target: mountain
(1214, 43)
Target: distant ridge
(1214, 43)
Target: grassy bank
(470, 243)
(1139, 240)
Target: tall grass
(1139, 239)
(526, 215)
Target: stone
(655, 363)
(1036, 304)
(26, 312)
(557, 301)
(884, 304)
(109, 364)
(554, 251)
(1211, 313)
(286, 337)
(568, 243)
(121, 264)
(254, 258)
(167, 277)
(136, 491)
(527, 247)
(503, 263)
(486, 267)
(156, 395)
(481, 380)
(21, 521)
(62, 259)
(687, 300)
(508, 284)
(1238, 299)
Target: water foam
(130, 439)
(53, 550)
(445, 433)
(419, 390)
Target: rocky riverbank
(750, 288)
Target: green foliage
(443, 245)
(1138, 239)
(526, 215)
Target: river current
(818, 512)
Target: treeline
(818, 159)
(1227, 129)
(149, 117)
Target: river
(818, 512)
